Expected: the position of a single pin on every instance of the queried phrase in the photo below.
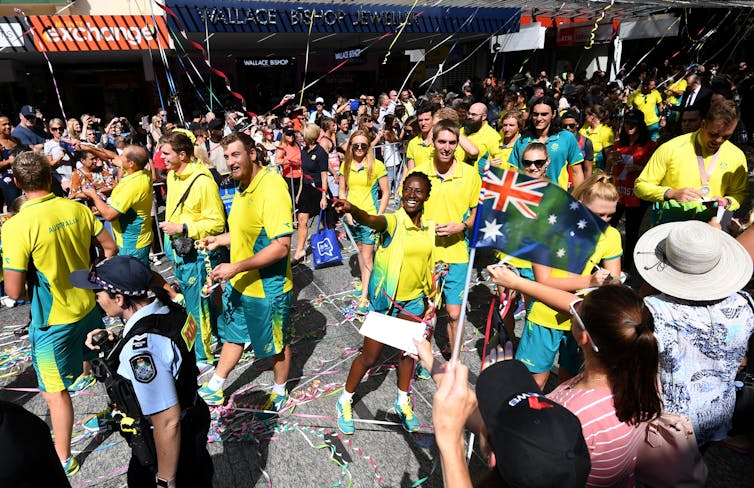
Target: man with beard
(257, 297)
(484, 137)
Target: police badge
(143, 368)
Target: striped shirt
(612, 444)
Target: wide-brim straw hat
(692, 261)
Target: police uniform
(150, 369)
(160, 366)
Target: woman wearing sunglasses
(546, 331)
(616, 389)
(361, 177)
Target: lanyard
(705, 174)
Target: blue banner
(282, 17)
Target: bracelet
(164, 483)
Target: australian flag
(535, 220)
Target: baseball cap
(537, 442)
(319, 100)
(28, 110)
(118, 274)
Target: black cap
(215, 124)
(119, 274)
(571, 114)
(28, 110)
(537, 442)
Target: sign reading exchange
(258, 16)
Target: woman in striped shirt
(616, 391)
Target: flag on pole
(536, 220)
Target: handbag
(183, 245)
(668, 455)
(325, 247)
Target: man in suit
(696, 95)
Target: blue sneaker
(71, 466)
(98, 421)
(406, 414)
(211, 397)
(422, 373)
(345, 417)
(82, 383)
(277, 402)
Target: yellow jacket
(202, 211)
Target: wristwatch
(164, 483)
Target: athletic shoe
(82, 383)
(363, 307)
(422, 373)
(357, 290)
(98, 421)
(345, 417)
(211, 397)
(276, 402)
(71, 467)
(154, 260)
(406, 414)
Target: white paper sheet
(392, 331)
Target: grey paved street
(303, 448)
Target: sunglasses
(570, 126)
(539, 163)
(360, 145)
(56, 129)
(574, 309)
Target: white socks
(279, 389)
(215, 383)
(345, 397)
(402, 397)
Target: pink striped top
(612, 444)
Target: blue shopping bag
(325, 247)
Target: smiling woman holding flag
(406, 242)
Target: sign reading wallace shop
(282, 17)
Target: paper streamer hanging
(214, 70)
(306, 59)
(400, 31)
(20, 12)
(600, 18)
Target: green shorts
(140, 254)
(539, 345)
(261, 321)
(362, 234)
(455, 283)
(58, 351)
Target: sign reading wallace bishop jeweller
(282, 17)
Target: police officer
(150, 375)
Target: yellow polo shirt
(680, 86)
(363, 188)
(601, 137)
(56, 233)
(647, 104)
(260, 213)
(451, 200)
(674, 165)
(423, 153)
(416, 250)
(132, 199)
(608, 248)
(487, 140)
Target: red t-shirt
(625, 178)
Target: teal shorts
(362, 234)
(539, 345)
(414, 307)
(261, 321)
(140, 254)
(455, 283)
(57, 351)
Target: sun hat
(537, 442)
(692, 261)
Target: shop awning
(62, 33)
